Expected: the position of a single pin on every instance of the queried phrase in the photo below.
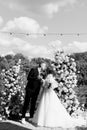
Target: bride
(50, 111)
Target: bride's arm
(54, 84)
(45, 84)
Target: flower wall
(65, 68)
(12, 94)
(13, 82)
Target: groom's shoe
(23, 121)
(30, 119)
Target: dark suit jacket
(34, 83)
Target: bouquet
(50, 82)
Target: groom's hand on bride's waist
(43, 80)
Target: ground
(13, 125)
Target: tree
(25, 63)
(81, 61)
(3, 63)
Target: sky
(42, 16)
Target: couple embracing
(50, 111)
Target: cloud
(15, 6)
(1, 20)
(13, 45)
(51, 9)
(8, 53)
(54, 7)
(36, 8)
(24, 25)
(17, 45)
(82, 46)
(73, 47)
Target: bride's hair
(51, 71)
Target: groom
(35, 80)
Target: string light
(44, 34)
(27, 34)
(11, 33)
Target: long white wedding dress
(50, 111)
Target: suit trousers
(30, 98)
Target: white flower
(74, 64)
(3, 70)
(12, 79)
(72, 59)
(61, 84)
(65, 105)
(4, 93)
(69, 109)
(15, 74)
(11, 90)
(66, 58)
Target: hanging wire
(43, 34)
